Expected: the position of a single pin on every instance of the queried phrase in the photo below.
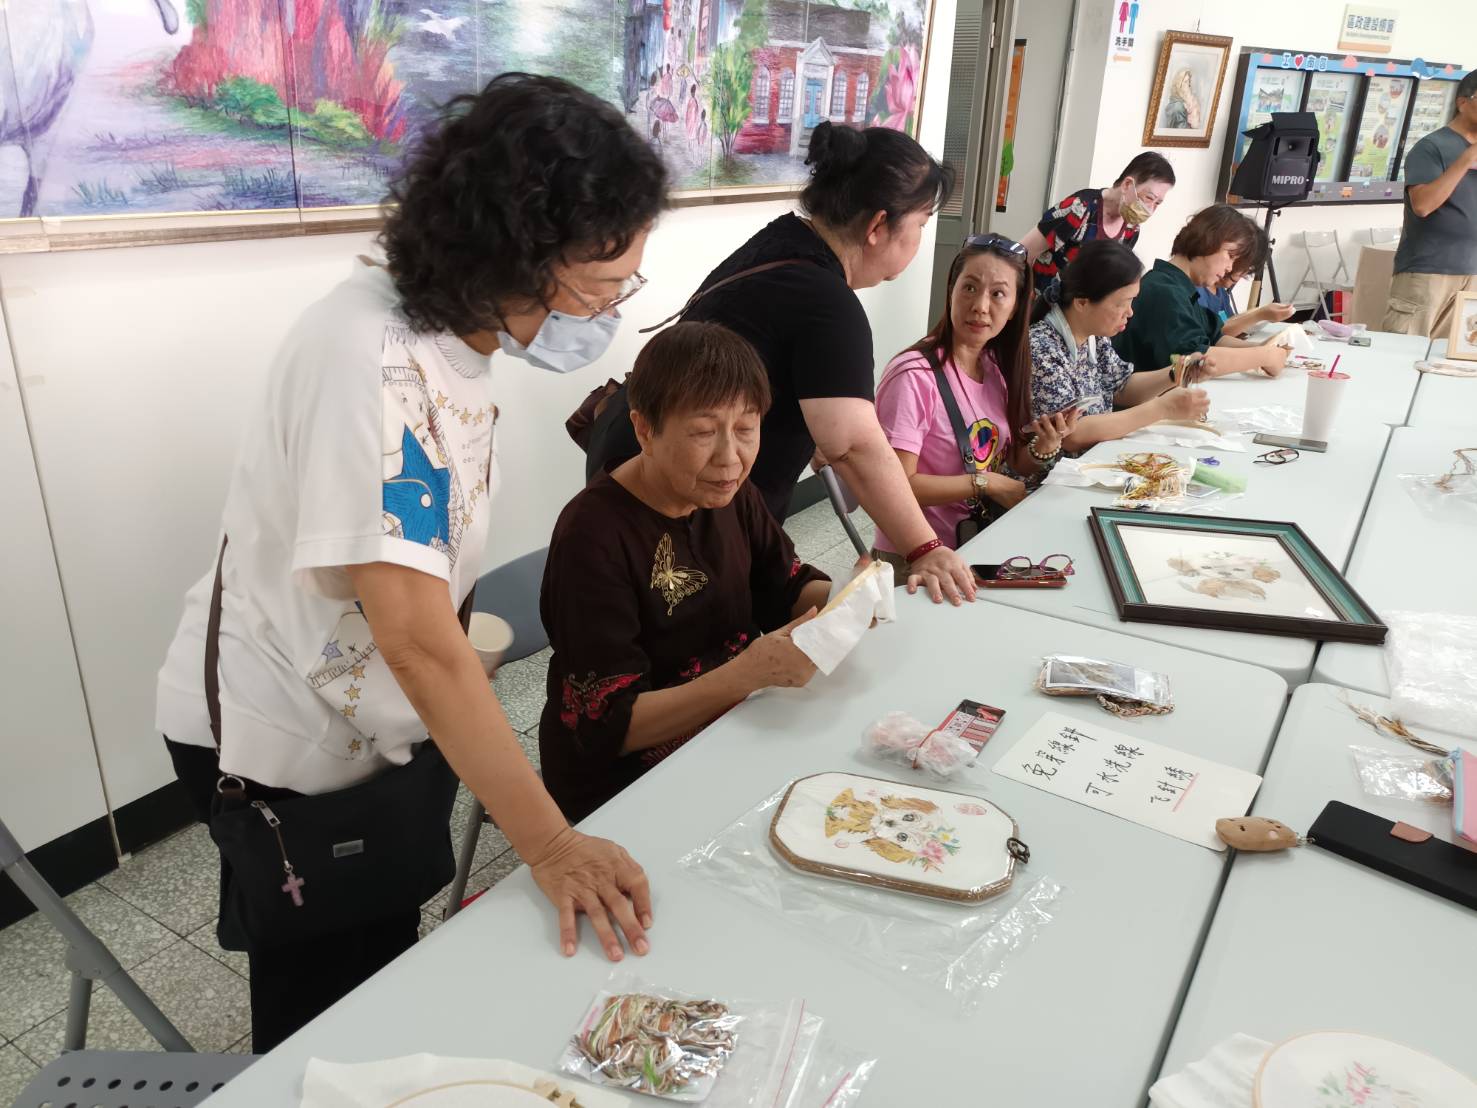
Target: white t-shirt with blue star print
(373, 444)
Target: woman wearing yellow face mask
(1110, 213)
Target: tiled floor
(157, 911)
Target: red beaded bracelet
(931, 544)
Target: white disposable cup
(1325, 390)
(490, 636)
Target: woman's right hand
(1189, 404)
(774, 661)
(580, 873)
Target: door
(814, 90)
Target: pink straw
(1335, 367)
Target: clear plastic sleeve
(1269, 419)
(959, 950)
(1431, 660)
(1071, 675)
(1424, 778)
(899, 738)
(833, 1077)
(723, 1053)
(1443, 496)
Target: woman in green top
(1167, 316)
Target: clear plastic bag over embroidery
(958, 950)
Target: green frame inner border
(1307, 556)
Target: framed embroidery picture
(945, 845)
(1232, 574)
(1187, 89)
(1462, 341)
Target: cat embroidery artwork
(949, 846)
(901, 829)
(1222, 574)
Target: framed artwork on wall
(1462, 341)
(1232, 574)
(1187, 89)
(196, 119)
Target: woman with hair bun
(790, 290)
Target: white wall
(49, 782)
(1436, 30)
(138, 366)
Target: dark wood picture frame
(1362, 626)
(1152, 136)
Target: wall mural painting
(117, 107)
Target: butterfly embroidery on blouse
(588, 697)
(676, 582)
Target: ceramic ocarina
(1255, 833)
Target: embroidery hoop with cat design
(943, 845)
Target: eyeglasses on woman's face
(629, 288)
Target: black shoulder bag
(982, 512)
(601, 425)
(298, 867)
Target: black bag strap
(716, 285)
(213, 644)
(956, 417)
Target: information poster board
(1431, 109)
(1331, 99)
(1386, 104)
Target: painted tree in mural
(336, 85)
(731, 74)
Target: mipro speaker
(1281, 161)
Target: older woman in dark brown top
(670, 590)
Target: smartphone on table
(1318, 446)
(986, 577)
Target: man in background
(1437, 257)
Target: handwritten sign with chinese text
(1171, 791)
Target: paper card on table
(1171, 791)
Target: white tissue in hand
(834, 633)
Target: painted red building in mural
(816, 64)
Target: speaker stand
(1255, 300)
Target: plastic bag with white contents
(833, 1077)
(1451, 496)
(1424, 778)
(1271, 419)
(898, 737)
(957, 950)
(724, 1053)
(1431, 660)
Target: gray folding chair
(1316, 246)
(843, 502)
(511, 591)
(106, 1078)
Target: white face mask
(564, 342)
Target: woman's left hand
(1050, 429)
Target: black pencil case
(1407, 853)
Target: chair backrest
(512, 591)
(1315, 240)
(1384, 234)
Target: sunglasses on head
(992, 241)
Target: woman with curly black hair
(356, 518)
(790, 290)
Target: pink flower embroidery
(972, 809)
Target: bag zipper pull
(293, 885)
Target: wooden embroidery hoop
(545, 1090)
(1015, 851)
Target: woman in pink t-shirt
(981, 346)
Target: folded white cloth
(1222, 1079)
(430, 1080)
(834, 633)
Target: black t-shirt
(810, 331)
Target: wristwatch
(981, 482)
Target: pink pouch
(1464, 795)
